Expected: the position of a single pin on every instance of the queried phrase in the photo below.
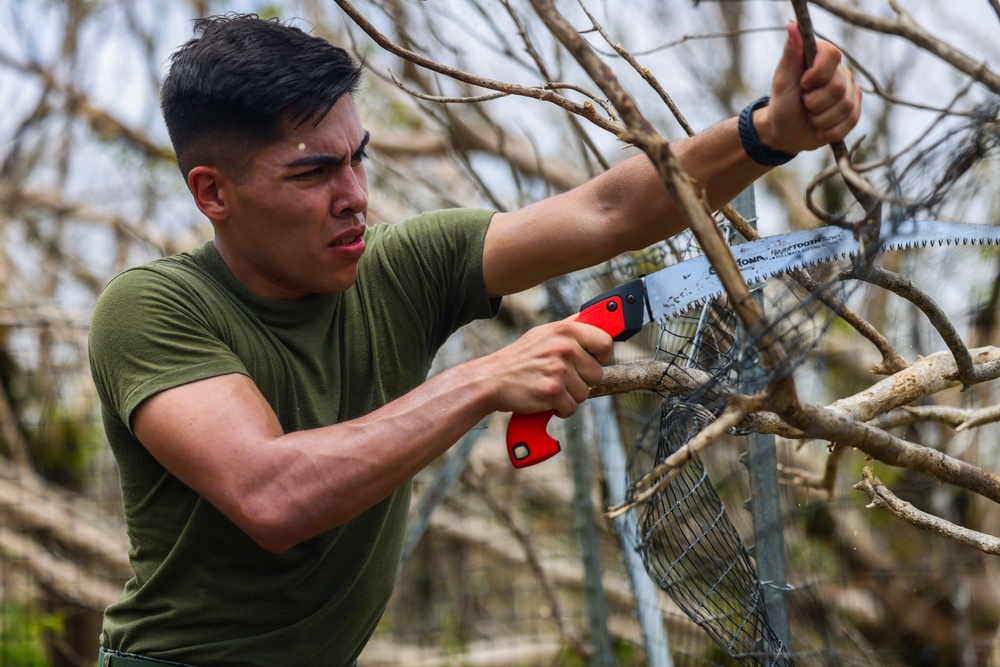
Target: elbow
(273, 542)
(273, 526)
(279, 513)
(272, 537)
(278, 522)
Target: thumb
(791, 66)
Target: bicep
(526, 247)
(626, 208)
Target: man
(265, 395)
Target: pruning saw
(669, 292)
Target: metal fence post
(590, 543)
(615, 463)
(765, 502)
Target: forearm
(626, 208)
(310, 481)
(220, 436)
(335, 473)
(714, 160)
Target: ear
(211, 190)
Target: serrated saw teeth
(693, 282)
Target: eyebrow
(326, 159)
(364, 144)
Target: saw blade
(678, 288)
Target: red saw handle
(619, 313)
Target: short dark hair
(231, 88)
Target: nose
(350, 195)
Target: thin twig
(908, 29)
(961, 419)
(905, 288)
(882, 498)
(586, 110)
(656, 480)
(644, 72)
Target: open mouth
(351, 245)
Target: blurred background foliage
(89, 186)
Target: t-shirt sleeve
(148, 334)
(435, 262)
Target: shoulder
(141, 303)
(434, 233)
(167, 279)
(173, 268)
(449, 222)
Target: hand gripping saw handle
(620, 312)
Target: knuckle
(551, 387)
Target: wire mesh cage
(683, 533)
(693, 551)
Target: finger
(839, 131)
(594, 341)
(578, 389)
(590, 372)
(844, 110)
(824, 67)
(834, 123)
(600, 349)
(566, 405)
(836, 95)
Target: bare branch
(642, 71)
(656, 480)
(651, 376)
(924, 377)
(906, 28)
(883, 498)
(961, 419)
(824, 423)
(905, 288)
(585, 110)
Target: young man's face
(296, 224)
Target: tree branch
(656, 480)
(906, 28)
(905, 288)
(882, 498)
(585, 110)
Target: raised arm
(628, 207)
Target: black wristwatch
(758, 151)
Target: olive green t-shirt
(204, 593)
